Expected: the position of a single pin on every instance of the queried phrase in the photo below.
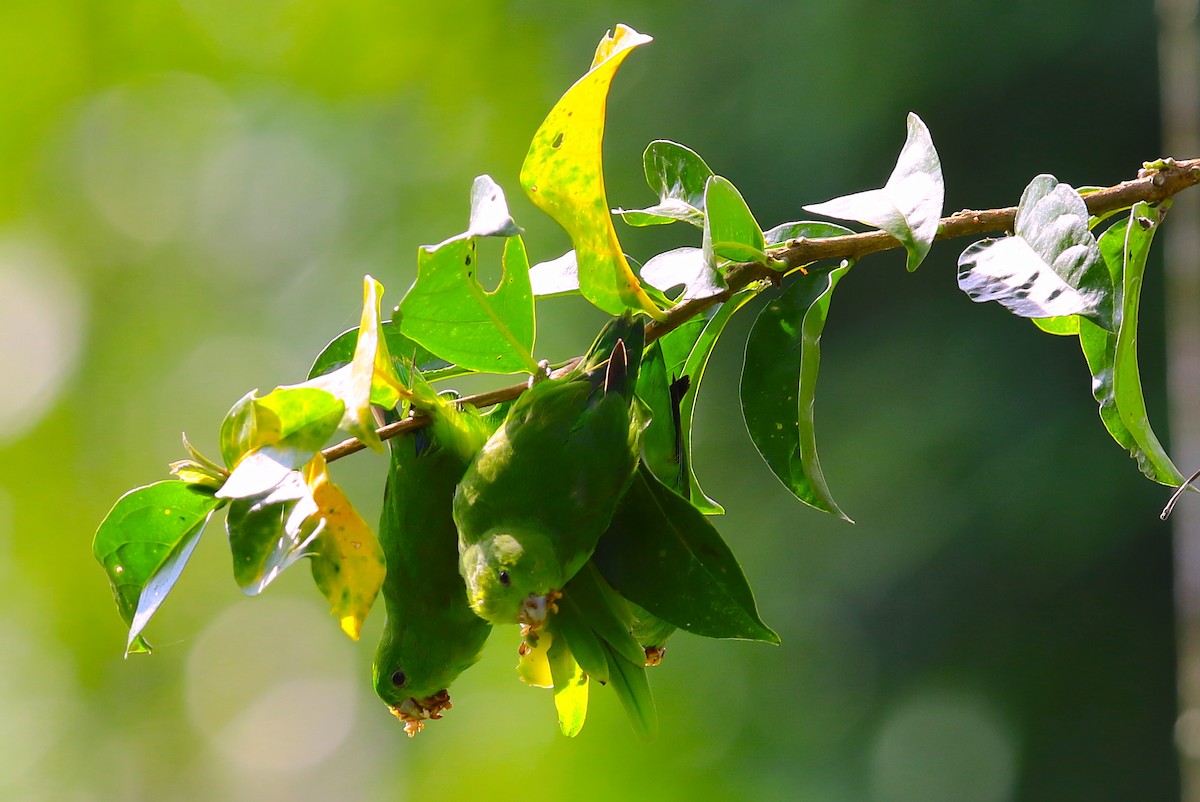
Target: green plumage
(430, 635)
(536, 499)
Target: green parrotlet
(537, 497)
(431, 634)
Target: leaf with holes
(1050, 267)
(686, 267)
(449, 312)
(144, 544)
(678, 175)
(909, 206)
(563, 176)
(779, 382)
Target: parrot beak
(414, 712)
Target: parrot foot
(654, 655)
(542, 374)
(534, 611)
(414, 712)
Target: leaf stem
(1151, 185)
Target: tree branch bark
(1152, 185)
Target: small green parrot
(536, 499)
(431, 634)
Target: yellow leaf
(570, 688)
(348, 564)
(563, 175)
(533, 667)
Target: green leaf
(287, 427)
(604, 611)
(1063, 326)
(685, 353)
(570, 688)
(783, 344)
(563, 176)
(144, 543)
(687, 267)
(237, 430)
(730, 230)
(270, 532)
(1112, 359)
(678, 175)
(663, 554)
(1050, 267)
(556, 277)
(807, 229)
(582, 639)
(448, 311)
(660, 441)
(629, 680)
(909, 207)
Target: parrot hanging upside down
(537, 497)
(431, 635)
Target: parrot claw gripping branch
(571, 508)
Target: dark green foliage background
(215, 177)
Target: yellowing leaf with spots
(347, 560)
(563, 175)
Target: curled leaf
(909, 205)
(678, 175)
(1050, 267)
(563, 176)
(779, 379)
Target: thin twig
(1150, 185)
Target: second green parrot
(537, 497)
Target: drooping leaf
(563, 176)
(678, 175)
(663, 554)
(604, 611)
(1112, 358)
(730, 230)
(808, 229)
(585, 645)
(695, 341)
(570, 688)
(556, 277)
(347, 560)
(1050, 267)
(686, 266)
(779, 378)
(449, 312)
(909, 206)
(658, 438)
(632, 686)
(270, 532)
(144, 543)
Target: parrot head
(511, 574)
(412, 671)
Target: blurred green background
(190, 193)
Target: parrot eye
(504, 578)
(398, 678)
